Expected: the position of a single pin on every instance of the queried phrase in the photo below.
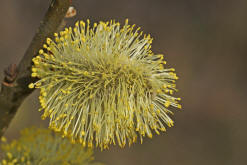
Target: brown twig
(15, 85)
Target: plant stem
(14, 92)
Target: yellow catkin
(41, 146)
(107, 81)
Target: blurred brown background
(206, 41)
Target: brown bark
(15, 85)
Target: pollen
(106, 82)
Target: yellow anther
(45, 46)
(161, 66)
(34, 75)
(84, 144)
(90, 144)
(82, 23)
(31, 85)
(14, 161)
(48, 41)
(10, 156)
(163, 129)
(126, 21)
(167, 104)
(4, 162)
(44, 94)
(34, 69)
(46, 56)
(172, 123)
(41, 51)
(3, 139)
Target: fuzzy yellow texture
(102, 84)
(40, 146)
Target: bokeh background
(205, 40)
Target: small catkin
(39, 146)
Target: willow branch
(15, 84)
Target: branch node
(71, 12)
(10, 75)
